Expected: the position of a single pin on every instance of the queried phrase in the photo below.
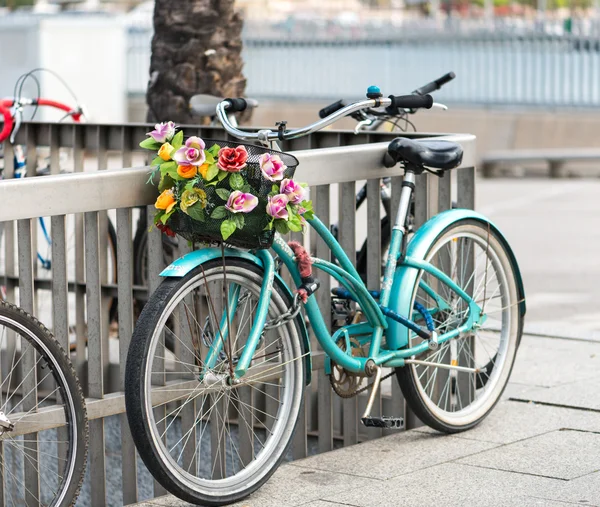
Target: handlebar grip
(236, 105)
(436, 84)
(409, 102)
(446, 78)
(8, 123)
(331, 108)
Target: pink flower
(293, 190)
(232, 160)
(272, 166)
(192, 153)
(163, 132)
(276, 207)
(239, 202)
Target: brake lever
(363, 123)
(438, 105)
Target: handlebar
(234, 105)
(332, 108)
(435, 85)
(12, 119)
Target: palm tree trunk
(196, 48)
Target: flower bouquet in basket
(215, 191)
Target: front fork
(256, 332)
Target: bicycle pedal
(383, 422)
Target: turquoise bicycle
(214, 417)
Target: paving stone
(552, 362)
(323, 503)
(455, 485)
(582, 394)
(292, 486)
(511, 421)
(583, 490)
(559, 454)
(391, 456)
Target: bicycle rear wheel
(43, 424)
(205, 440)
(451, 400)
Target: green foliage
(150, 144)
(236, 182)
(238, 219)
(281, 226)
(165, 183)
(166, 216)
(196, 212)
(223, 193)
(212, 171)
(177, 141)
(219, 212)
(214, 150)
(227, 228)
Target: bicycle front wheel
(448, 399)
(207, 440)
(43, 425)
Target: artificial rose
(295, 192)
(187, 171)
(232, 160)
(163, 132)
(166, 229)
(203, 170)
(166, 201)
(192, 153)
(272, 166)
(276, 207)
(240, 202)
(165, 151)
(191, 197)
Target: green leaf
(167, 167)
(295, 224)
(227, 228)
(209, 158)
(223, 193)
(196, 212)
(166, 216)
(309, 215)
(238, 219)
(219, 212)
(156, 161)
(275, 189)
(190, 185)
(177, 141)
(212, 171)
(214, 150)
(246, 188)
(269, 226)
(165, 182)
(150, 144)
(158, 216)
(281, 226)
(222, 175)
(236, 182)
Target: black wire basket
(253, 235)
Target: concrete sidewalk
(540, 446)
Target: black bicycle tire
(8, 310)
(133, 400)
(406, 379)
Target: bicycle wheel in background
(43, 424)
(474, 257)
(207, 441)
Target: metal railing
(80, 289)
(493, 68)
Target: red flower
(232, 160)
(166, 229)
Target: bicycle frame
(377, 313)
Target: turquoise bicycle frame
(384, 317)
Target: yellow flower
(203, 169)
(165, 151)
(187, 171)
(166, 201)
(191, 197)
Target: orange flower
(166, 201)
(165, 151)
(203, 169)
(187, 171)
